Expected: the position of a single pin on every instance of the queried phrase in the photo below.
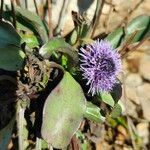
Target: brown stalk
(13, 13)
(108, 17)
(50, 19)
(123, 50)
(18, 2)
(35, 4)
(100, 4)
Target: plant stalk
(13, 13)
(50, 19)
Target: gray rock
(144, 67)
(143, 132)
(131, 108)
(133, 80)
(131, 93)
(143, 92)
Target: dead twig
(131, 132)
(125, 19)
(129, 121)
(62, 17)
(50, 19)
(26, 4)
(108, 17)
(35, 4)
(98, 12)
(13, 13)
(124, 49)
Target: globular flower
(100, 64)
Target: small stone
(131, 93)
(143, 92)
(106, 9)
(127, 148)
(133, 80)
(144, 68)
(143, 132)
(120, 139)
(103, 145)
(131, 109)
(122, 130)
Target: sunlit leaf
(73, 37)
(115, 37)
(116, 112)
(33, 22)
(139, 24)
(30, 40)
(58, 45)
(107, 98)
(63, 112)
(93, 113)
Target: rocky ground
(134, 130)
(135, 80)
(135, 76)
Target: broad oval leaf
(115, 37)
(33, 22)
(11, 55)
(63, 112)
(8, 35)
(11, 58)
(58, 45)
(30, 40)
(139, 24)
(116, 111)
(93, 113)
(107, 98)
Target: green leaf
(115, 37)
(58, 45)
(5, 134)
(63, 112)
(11, 55)
(139, 24)
(11, 58)
(116, 112)
(107, 98)
(8, 35)
(73, 38)
(33, 22)
(93, 113)
(30, 40)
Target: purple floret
(100, 65)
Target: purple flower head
(100, 64)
